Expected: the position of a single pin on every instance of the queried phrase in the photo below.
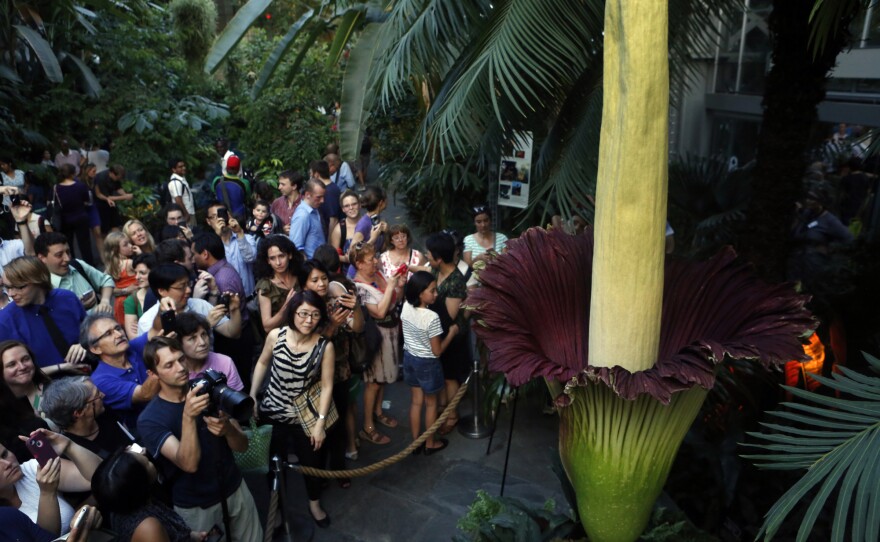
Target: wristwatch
(322, 417)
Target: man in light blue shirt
(305, 225)
(340, 173)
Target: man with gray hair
(76, 405)
(121, 374)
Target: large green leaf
(90, 82)
(280, 51)
(344, 30)
(839, 458)
(234, 31)
(358, 94)
(44, 52)
(318, 28)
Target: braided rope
(363, 471)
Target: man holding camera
(240, 249)
(194, 448)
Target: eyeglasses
(109, 333)
(309, 315)
(180, 288)
(399, 236)
(98, 395)
(10, 288)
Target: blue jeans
(425, 373)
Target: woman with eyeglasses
(76, 406)
(44, 318)
(276, 268)
(379, 295)
(296, 356)
(343, 232)
(21, 396)
(401, 252)
(484, 239)
(345, 320)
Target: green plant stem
(618, 453)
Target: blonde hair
(28, 270)
(358, 251)
(114, 261)
(150, 246)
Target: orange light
(797, 373)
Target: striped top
(420, 325)
(291, 374)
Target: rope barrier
(379, 465)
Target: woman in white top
(422, 345)
(10, 177)
(484, 239)
(30, 488)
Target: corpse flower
(620, 430)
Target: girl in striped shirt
(422, 347)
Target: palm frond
(44, 52)
(233, 32)
(694, 30)
(839, 457)
(357, 93)
(344, 30)
(425, 36)
(90, 81)
(525, 61)
(826, 16)
(279, 52)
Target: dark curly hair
(262, 269)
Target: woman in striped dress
(296, 355)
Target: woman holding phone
(33, 486)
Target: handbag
(53, 210)
(364, 345)
(305, 405)
(255, 460)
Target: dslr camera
(238, 405)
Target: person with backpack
(77, 276)
(177, 190)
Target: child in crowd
(422, 347)
(262, 221)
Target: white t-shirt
(29, 493)
(16, 180)
(178, 186)
(420, 325)
(9, 250)
(198, 306)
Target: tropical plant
(313, 20)
(481, 70)
(710, 198)
(835, 439)
(505, 518)
(195, 22)
(638, 365)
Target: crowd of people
(306, 303)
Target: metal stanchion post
(475, 426)
(277, 495)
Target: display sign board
(514, 174)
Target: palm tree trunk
(794, 88)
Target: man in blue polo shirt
(306, 231)
(121, 374)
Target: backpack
(165, 193)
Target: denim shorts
(425, 373)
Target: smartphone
(402, 269)
(375, 219)
(224, 300)
(169, 321)
(41, 449)
(81, 518)
(223, 213)
(215, 534)
(15, 200)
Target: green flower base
(618, 452)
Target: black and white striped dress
(290, 375)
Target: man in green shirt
(77, 276)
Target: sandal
(447, 427)
(374, 436)
(443, 443)
(387, 421)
